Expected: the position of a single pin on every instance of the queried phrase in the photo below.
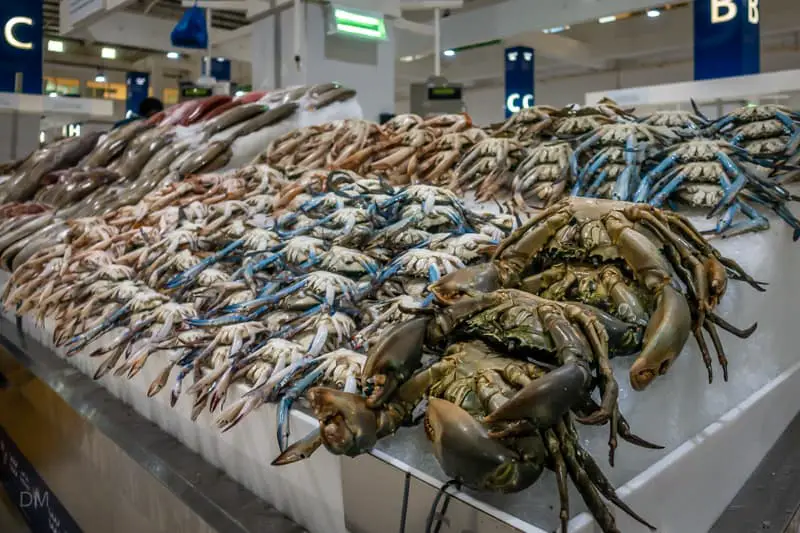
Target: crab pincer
(394, 358)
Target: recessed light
(173, 55)
(108, 53)
(55, 46)
(239, 94)
(653, 13)
(606, 20)
(449, 53)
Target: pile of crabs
(367, 299)
(735, 168)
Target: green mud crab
(679, 276)
(517, 371)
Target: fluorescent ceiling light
(606, 20)
(449, 53)
(407, 59)
(173, 55)
(100, 78)
(108, 53)
(653, 13)
(55, 46)
(557, 29)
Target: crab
(660, 252)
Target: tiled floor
(10, 520)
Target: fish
(63, 154)
(268, 118)
(232, 117)
(114, 144)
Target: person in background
(148, 108)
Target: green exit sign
(356, 24)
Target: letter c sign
(8, 32)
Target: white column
(264, 54)
(366, 66)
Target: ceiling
(165, 9)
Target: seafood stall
(486, 322)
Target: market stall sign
(220, 68)
(196, 92)
(444, 93)
(138, 87)
(21, 46)
(727, 38)
(358, 24)
(38, 505)
(519, 62)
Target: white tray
(715, 435)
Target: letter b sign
(726, 10)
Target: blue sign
(138, 88)
(220, 68)
(28, 491)
(21, 45)
(519, 79)
(726, 38)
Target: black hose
(404, 508)
(432, 514)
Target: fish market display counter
(714, 434)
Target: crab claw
(482, 278)
(546, 400)
(665, 336)
(347, 425)
(392, 360)
(465, 451)
(302, 449)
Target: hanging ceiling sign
(727, 38)
(519, 62)
(361, 24)
(21, 46)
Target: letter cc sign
(9, 32)
(726, 10)
(515, 102)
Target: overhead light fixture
(557, 29)
(221, 60)
(55, 46)
(606, 20)
(53, 94)
(653, 13)
(449, 53)
(239, 94)
(173, 55)
(100, 78)
(108, 53)
(407, 59)
(359, 24)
